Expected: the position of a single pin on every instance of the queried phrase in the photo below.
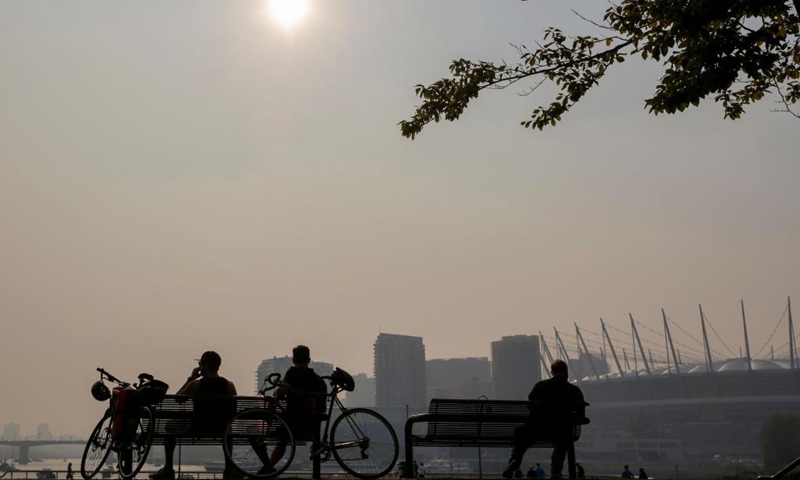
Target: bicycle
(361, 441)
(126, 425)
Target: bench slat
(174, 417)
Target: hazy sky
(190, 175)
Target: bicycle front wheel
(364, 443)
(97, 447)
(133, 454)
(259, 443)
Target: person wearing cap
(212, 411)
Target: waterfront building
(399, 362)
(43, 432)
(11, 431)
(649, 405)
(516, 366)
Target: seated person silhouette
(305, 394)
(214, 406)
(556, 403)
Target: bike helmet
(100, 392)
(153, 392)
(343, 379)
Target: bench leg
(408, 470)
(571, 461)
(316, 472)
(407, 467)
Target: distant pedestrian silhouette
(642, 474)
(626, 473)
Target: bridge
(25, 446)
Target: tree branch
(555, 67)
(784, 101)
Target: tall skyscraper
(281, 364)
(399, 371)
(516, 366)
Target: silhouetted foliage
(734, 51)
(780, 440)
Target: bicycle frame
(324, 446)
(321, 447)
(361, 441)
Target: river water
(60, 466)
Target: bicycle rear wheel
(364, 443)
(97, 447)
(253, 441)
(136, 450)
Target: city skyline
(186, 176)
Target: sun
(288, 13)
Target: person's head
(537, 464)
(209, 362)
(301, 355)
(559, 368)
(626, 467)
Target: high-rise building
(516, 366)
(399, 371)
(281, 364)
(364, 393)
(11, 431)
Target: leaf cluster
(733, 51)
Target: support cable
(733, 355)
(783, 315)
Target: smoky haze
(185, 176)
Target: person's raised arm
(192, 383)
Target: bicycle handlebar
(111, 378)
(274, 380)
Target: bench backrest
(484, 420)
(175, 415)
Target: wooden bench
(478, 423)
(174, 418)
